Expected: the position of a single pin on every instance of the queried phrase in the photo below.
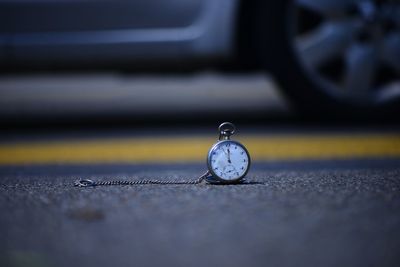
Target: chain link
(88, 182)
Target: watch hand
(229, 156)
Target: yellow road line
(194, 149)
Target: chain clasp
(84, 183)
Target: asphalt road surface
(316, 211)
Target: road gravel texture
(288, 214)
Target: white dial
(228, 160)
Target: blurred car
(328, 55)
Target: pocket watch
(228, 161)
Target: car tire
(271, 41)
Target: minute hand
(229, 156)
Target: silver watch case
(213, 178)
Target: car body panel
(83, 15)
(157, 30)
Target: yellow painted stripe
(194, 149)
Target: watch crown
(226, 129)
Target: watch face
(228, 161)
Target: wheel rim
(349, 48)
